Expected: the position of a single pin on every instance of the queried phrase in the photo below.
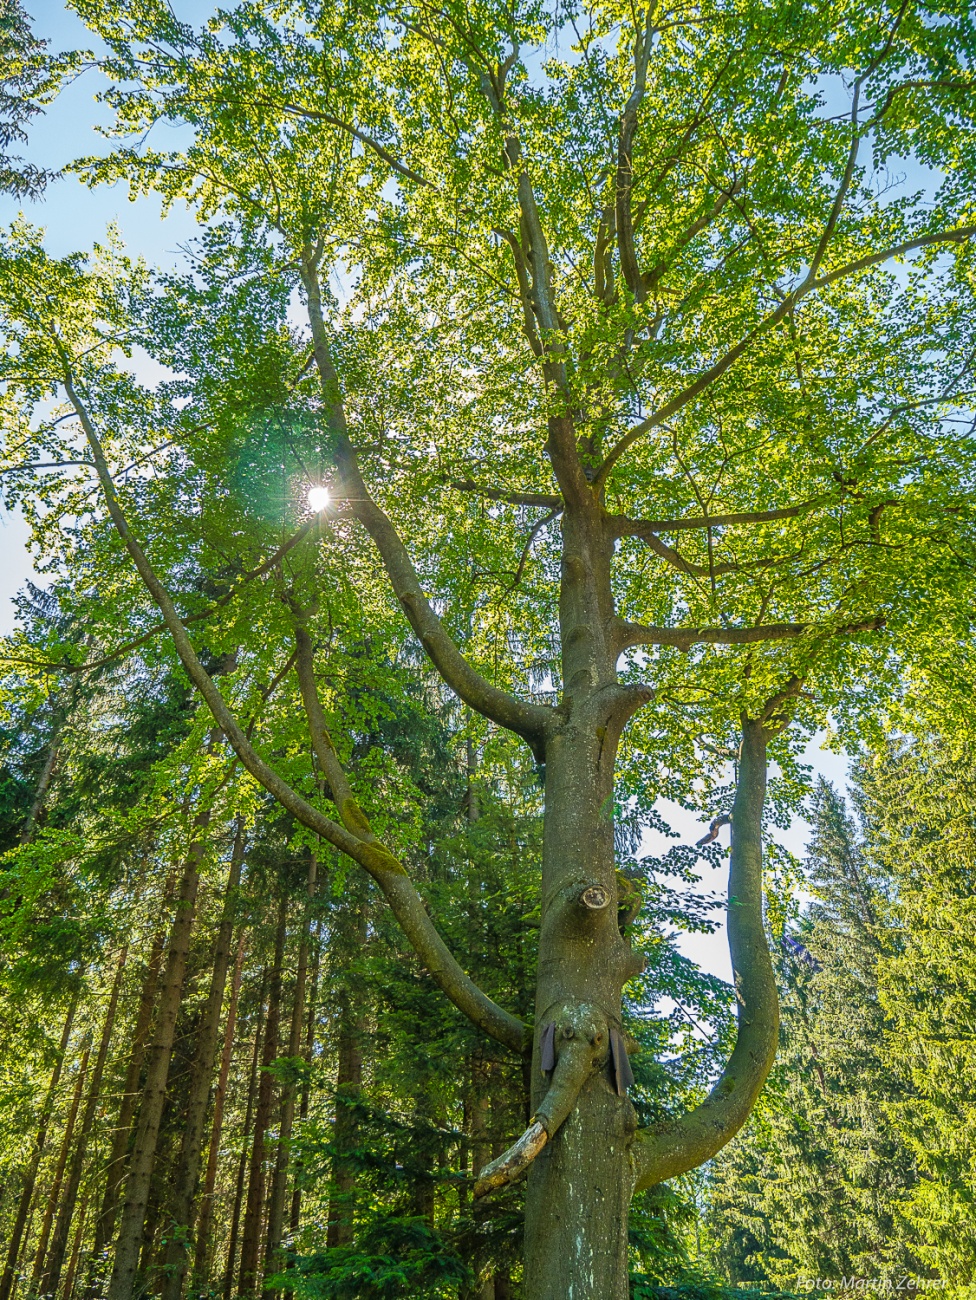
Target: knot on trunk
(594, 897)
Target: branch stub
(595, 897)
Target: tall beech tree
(637, 392)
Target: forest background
(323, 1137)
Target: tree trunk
(54, 1196)
(279, 1181)
(187, 1171)
(478, 1124)
(30, 1178)
(62, 1231)
(148, 1277)
(249, 1276)
(202, 1252)
(105, 1223)
(252, 1081)
(43, 785)
(580, 1185)
(296, 1196)
(583, 1177)
(72, 1273)
(130, 1239)
(348, 939)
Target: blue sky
(75, 217)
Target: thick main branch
(683, 638)
(530, 721)
(624, 526)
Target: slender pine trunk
(72, 1272)
(54, 1196)
(349, 1083)
(180, 1210)
(115, 1173)
(129, 1242)
(43, 786)
(242, 1164)
(348, 938)
(479, 1110)
(30, 1178)
(249, 1276)
(66, 1211)
(203, 1252)
(307, 1053)
(148, 1276)
(289, 1093)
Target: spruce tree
(812, 1188)
(920, 800)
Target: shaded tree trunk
(105, 1223)
(348, 938)
(30, 1178)
(187, 1170)
(202, 1250)
(279, 1181)
(72, 1273)
(242, 1163)
(54, 1196)
(66, 1212)
(482, 1151)
(131, 1228)
(296, 1196)
(249, 1276)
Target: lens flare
(318, 498)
